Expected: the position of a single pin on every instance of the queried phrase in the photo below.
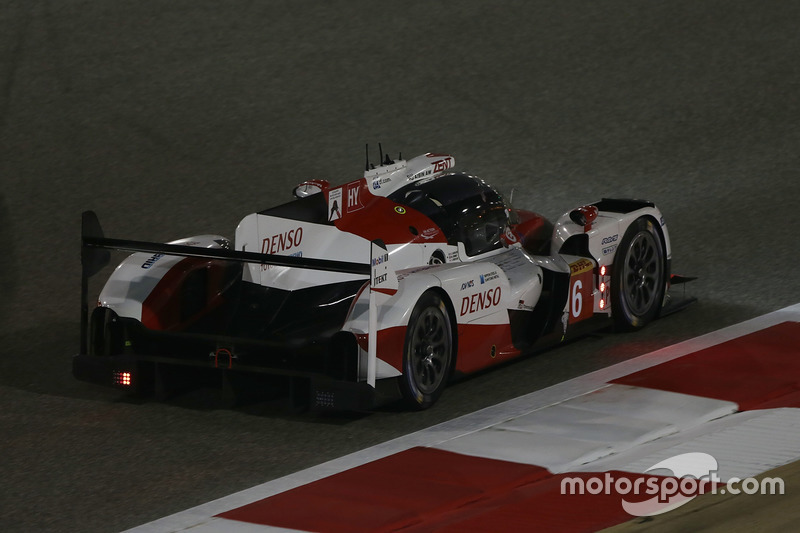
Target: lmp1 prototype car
(397, 281)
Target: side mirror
(310, 187)
(584, 216)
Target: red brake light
(122, 378)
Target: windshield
(464, 207)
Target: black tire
(638, 278)
(428, 352)
(105, 333)
(437, 258)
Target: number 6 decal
(577, 299)
(581, 297)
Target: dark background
(178, 118)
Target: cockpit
(465, 208)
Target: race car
(389, 285)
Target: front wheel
(428, 352)
(638, 279)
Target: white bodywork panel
(481, 292)
(282, 236)
(135, 278)
(386, 179)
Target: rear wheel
(428, 352)
(638, 282)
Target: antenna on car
(367, 167)
(385, 160)
(380, 150)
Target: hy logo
(698, 465)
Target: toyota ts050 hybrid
(396, 281)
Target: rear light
(602, 303)
(603, 270)
(122, 378)
(602, 287)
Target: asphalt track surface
(178, 118)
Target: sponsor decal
(493, 351)
(335, 204)
(400, 210)
(269, 267)
(354, 197)
(609, 249)
(580, 266)
(380, 259)
(429, 233)
(421, 174)
(609, 240)
(509, 237)
(452, 256)
(444, 164)
(381, 279)
(376, 261)
(522, 307)
(662, 221)
(276, 244)
(489, 277)
(481, 301)
(468, 284)
(151, 261)
(378, 182)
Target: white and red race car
(393, 282)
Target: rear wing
(95, 256)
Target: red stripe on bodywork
(379, 219)
(483, 345)
(391, 343)
(161, 310)
(756, 371)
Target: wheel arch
(451, 314)
(665, 249)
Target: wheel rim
(642, 274)
(430, 350)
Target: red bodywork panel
(169, 307)
(387, 220)
(534, 231)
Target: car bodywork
(409, 275)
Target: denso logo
(282, 241)
(480, 301)
(609, 240)
(150, 262)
